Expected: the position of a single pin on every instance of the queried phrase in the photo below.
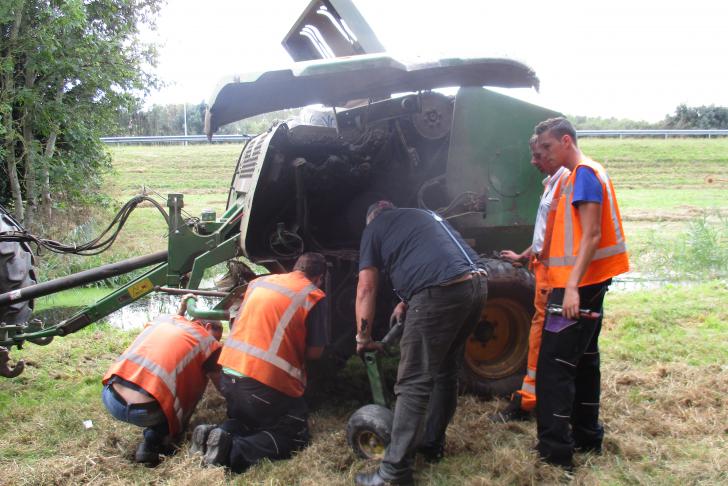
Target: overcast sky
(634, 59)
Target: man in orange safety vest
(157, 382)
(523, 401)
(281, 324)
(585, 248)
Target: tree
(66, 68)
(698, 117)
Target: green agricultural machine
(381, 129)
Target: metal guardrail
(170, 139)
(652, 133)
(173, 139)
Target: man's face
(553, 151)
(537, 158)
(215, 329)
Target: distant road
(175, 139)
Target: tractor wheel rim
(496, 347)
(371, 444)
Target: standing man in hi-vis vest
(585, 248)
(281, 323)
(523, 401)
(157, 382)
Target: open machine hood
(334, 82)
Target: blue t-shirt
(587, 187)
(414, 250)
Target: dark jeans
(264, 422)
(439, 320)
(568, 382)
(147, 415)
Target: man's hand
(571, 303)
(362, 348)
(398, 314)
(510, 255)
(183, 304)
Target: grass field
(665, 352)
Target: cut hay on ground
(665, 423)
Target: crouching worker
(159, 379)
(281, 324)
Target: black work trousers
(568, 382)
(439, 321)
(264, 423)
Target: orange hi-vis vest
(268, 338)
(610, 258)
(166, 360)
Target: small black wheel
(369, 431)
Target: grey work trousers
(438, 323)
(264, 423)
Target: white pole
(185, 111)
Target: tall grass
(700, 253)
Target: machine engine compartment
(317, 182)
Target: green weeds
(699, 253)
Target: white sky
(630, 59)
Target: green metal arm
(188, 253)
(212, 314)
(373, 362)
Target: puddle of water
(135, 315)
(634, 281)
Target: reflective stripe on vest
(527, 387)
(298, 300)
(204, 343)
(569, 259)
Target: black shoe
(147, 454)
(374, 479)
(567, 466)
(593, 449)
(218, 447)
(198, 444)
(512, 412)
(432, 455)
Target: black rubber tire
(505, 324)
(369, 431)
(16, 272)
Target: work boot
(589, 448)
(198, 443)
(218, 447)
(147, 454)
(513, 411)
(432, 454)
(374, 479)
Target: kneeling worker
(159, 379)
(280, 325)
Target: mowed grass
(664, 351)
(664, 410)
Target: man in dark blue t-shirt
(436, 275)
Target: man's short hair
(311, 264)
(533, 140)
(558, 126)
(212, 322)
(376, 209)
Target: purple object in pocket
(557, 323)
